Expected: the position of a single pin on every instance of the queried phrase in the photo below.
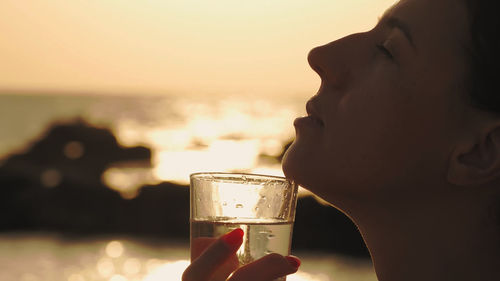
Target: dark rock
(75, 152)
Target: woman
(403, 136)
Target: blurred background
(107, 106)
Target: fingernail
(293, 261)
(234, 237)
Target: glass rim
(226, 175)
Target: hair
(483, 54)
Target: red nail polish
(234, 237)
(293, 261)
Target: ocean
(186, 134)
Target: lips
(313, 114)
(316, 120)
(312, 118)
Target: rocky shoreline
(56, 186)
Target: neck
(436, 239)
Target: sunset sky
(172, 46)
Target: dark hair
(483, 54)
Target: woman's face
(389, 106)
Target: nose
(335, 61)
(314, 59)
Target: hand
(215, 259)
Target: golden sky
(172, 46)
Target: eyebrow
(397, 23)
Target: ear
(476, 161)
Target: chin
(301, 166)
(297, 165)
(287, 164)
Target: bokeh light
(50, 178)
(131, 266)
(114, 249)
(105, 267)
(118, 277)
(167, 271)
(74, 149)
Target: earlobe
(476, 162)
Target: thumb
(269, 268)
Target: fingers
(267, 268)
(216, 259)
(199, 245)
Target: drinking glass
(262, 206)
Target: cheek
(371, 138)
(390, 137)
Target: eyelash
(385, 51)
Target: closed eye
(385, 51)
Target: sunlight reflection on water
(185, 134)
(36, 257)
(213, 135)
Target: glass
(262, 206)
